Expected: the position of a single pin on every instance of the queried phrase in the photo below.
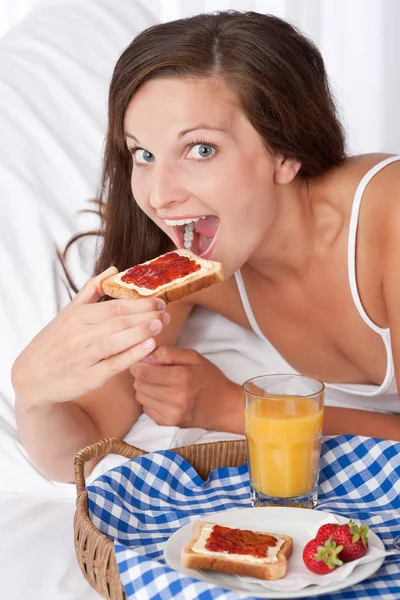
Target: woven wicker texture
(94, 551)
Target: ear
(286, 169)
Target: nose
(166, 188)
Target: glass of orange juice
(284, 416)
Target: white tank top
(242, 354)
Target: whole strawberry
(325, 532)
(354, 540)
(321, 559)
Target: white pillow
(55, 69)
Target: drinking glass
(284, 417)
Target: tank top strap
(352, 238)
(247, 306)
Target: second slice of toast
(267, 568)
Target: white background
(359, 41)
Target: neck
(305, 225)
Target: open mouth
(198, 236)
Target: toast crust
(173, 291)
(225, 564)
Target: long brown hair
(280, 80)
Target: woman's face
(200, 169)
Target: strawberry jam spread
(161, 271)
(239, 541)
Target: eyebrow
(184, 132)
(129, 135)
(200, 126)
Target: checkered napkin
(142, 502)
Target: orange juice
(283, 437)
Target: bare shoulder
(385, 181)
(381, 197)
(381, 204)
(386, 194)
(389, 249)
(378, 236)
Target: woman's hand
(86, 344)
(180, 387)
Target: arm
(391, 294)
(337, 421)
(52, 434)
(343, 421)
(54, 420)
(180, 387)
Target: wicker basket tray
(94, 550)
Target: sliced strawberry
(354, 540)
(321, 559)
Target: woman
(229, 117)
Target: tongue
(207, 227)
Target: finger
(148, 401)
(104, 334)
(158, 393)
(171, 355)
(118, 363)
(122, 340)
(166, 376)
(160, 418)
(92, 289)
(117, 324)
(168, 418)
(95, 313)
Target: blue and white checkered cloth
(142, 502)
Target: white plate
(291, 521)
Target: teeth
(188, 236)
(175, 223)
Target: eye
(201, 151)
(142, 156)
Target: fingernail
(161, 305)
(155, 326)
(166, 317)
(149, 343)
